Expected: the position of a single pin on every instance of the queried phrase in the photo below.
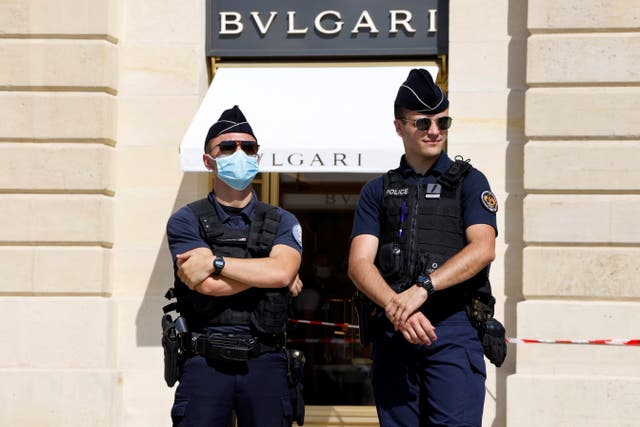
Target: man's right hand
(402, 305)
(194, 266)
(418, 329)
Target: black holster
(490, 331)
(493, 341)
(174, 335)
(295, 377)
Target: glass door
(323, 322)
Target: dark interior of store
(337, 369)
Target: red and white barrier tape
(593, 342)
(629, 342)
(315, 322)
(339, 341)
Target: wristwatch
(425, 282)
(218, 265)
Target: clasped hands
(402, 311)
(196, 265)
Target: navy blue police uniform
(444, 380)
(256, 389)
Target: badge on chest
(433, 191)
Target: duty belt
(233, 348)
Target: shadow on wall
(194, 186)
(514, 174)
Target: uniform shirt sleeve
(183, 232)
(289, 231)
(473, 209)
(366, 218)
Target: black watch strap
(425, 282)
(218, 265)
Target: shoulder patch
(296, 232)
(489, 201)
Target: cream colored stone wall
(58, 80)
(162, 79)
(487, 57)
(580, 216)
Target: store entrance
(338, 367)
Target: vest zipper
(412, 238)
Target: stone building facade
(96, 95)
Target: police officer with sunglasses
(235, 261)
(422, 241)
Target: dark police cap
(420, 93)
(231, 120)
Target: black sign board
(327, 28)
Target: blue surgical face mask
(237, 170)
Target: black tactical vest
(421, 228)
(265, 310)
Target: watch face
(425, 282)
(218, 265)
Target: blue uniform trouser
(257, 390)
(437, 385)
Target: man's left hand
(194, 266)
(404, 304)
(418, 329)
(295, 287)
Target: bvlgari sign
(333, 28)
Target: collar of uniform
(246, 212)
(441, 165)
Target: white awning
(308, 119)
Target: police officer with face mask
(422, 240)
(235, 261)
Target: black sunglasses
(229, 147)
(424, 123)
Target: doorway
(323, 322)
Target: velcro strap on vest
(454, 175)
(264, 228)
(393, 178)
(169, 307)
(207, 218)
(170, 294)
